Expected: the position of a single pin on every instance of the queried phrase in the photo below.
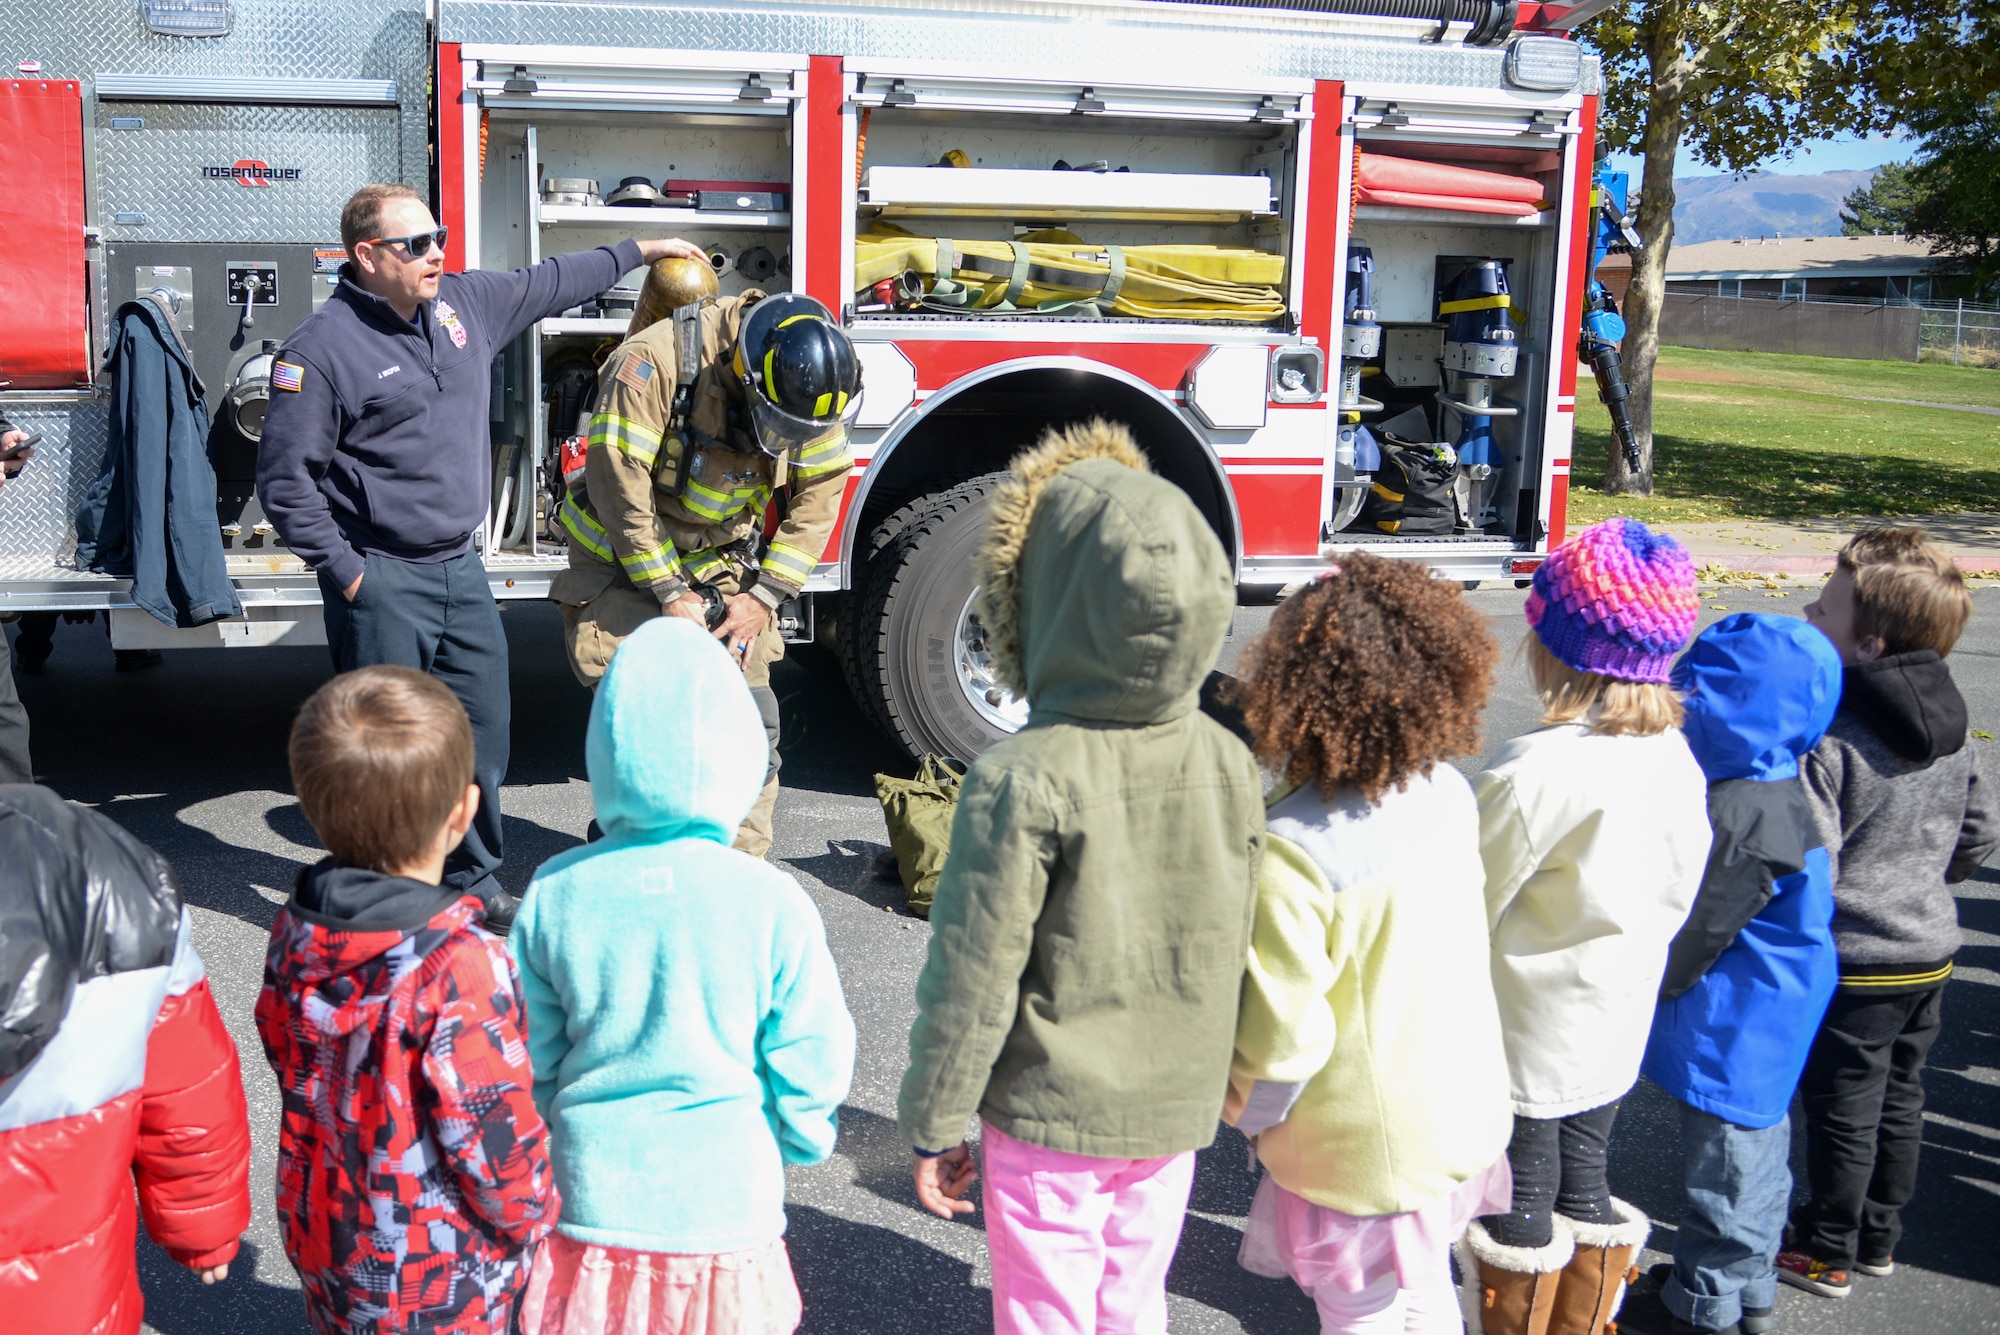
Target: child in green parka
(1092, 920)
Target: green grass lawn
(1751, 435)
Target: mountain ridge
(1724, 207)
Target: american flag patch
(635, 371)
(284, 375)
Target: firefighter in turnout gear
(710, 409)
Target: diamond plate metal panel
(1213, 47)
(353, 39)
(157, 170)
(38, 508)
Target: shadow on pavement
(1205, 1271)
(880, 1156)
(859, 868)
(903, 1288)
(1224, 1182)
(177, 1303)
(828, 745)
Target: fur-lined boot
(1511, 1290)
(1593, 1283)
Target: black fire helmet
(799, 373)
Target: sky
(1843, 153)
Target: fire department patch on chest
(284, 375)
(448, 317)
(635, 371)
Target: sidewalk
(1807, 547)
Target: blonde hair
(1603, 704)
(1907, 590)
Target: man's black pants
(440, 618)
(14, 767)
(1863, 1093)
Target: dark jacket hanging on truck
(150, 516)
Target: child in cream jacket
(1594, 830)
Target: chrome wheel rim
(976, 677)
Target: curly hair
(1368, 676)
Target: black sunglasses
(418, 245)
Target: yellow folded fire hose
(1056, 272)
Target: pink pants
(1383, 1309)
(1080, 1245)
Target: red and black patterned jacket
(115, 1069)
(413, 1169)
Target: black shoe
(1645, 1313)
(1758, 1321)
(500, 911)
(30, 667)
(136, 660)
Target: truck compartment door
(45, 337)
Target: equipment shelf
(560, 325)
(976, 192)
(1450, 217)
(630, 219)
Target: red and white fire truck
(1289, 243)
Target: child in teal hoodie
(686, 1024)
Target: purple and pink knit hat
(1618, 600)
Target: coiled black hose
(1491, 20)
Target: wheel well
(979, 428)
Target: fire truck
(1288, 243)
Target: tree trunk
(1659, 145)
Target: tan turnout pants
(592, 632)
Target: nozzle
(1612, 392)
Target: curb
(1813, 565)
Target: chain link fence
(1964, 333)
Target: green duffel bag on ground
(919, 813)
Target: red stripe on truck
(451, 115)
(828, 174)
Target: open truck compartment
(573, 154)
(1065, 202)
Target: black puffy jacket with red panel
(115, 1069)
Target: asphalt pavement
(191, 757)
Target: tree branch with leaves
(1735, 82)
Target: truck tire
(913, 652)
(845, 621)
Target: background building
(1889, 269)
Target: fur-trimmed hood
(1104, 592)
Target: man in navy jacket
(376, 466)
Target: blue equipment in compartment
(1360, 344)
(1480, 346)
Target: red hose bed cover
(1382, 179)
(44, 340)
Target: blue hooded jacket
(1750, 973)
(685, 1021)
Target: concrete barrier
(1810, 328)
